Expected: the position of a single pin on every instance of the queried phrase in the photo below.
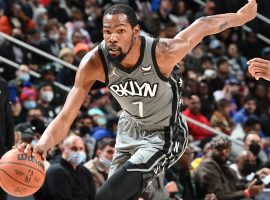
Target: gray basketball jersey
(151, 99)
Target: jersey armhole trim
(104, 64)
(153, 52)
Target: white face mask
(54, 36)
(77, 157)
(47, 96)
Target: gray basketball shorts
(150, 152)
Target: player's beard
(118, 59)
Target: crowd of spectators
(218, 91)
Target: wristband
(247, 193)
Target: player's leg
(121, 185)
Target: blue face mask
(24, 77)
(77, 157)
(29, 104)
(106, 162)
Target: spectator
(221, 119)
(214, 176)
(179, 15)
(24, 133)
(99, 166)
(158, 20)
(46, 96)
(248, 111)
(6, 124)
(110, 130)
(254, 144)
(194, 111)
(66, 76)
(22, 77)
(67, 178)
(55, 11)
(181, 176)
(237, 62)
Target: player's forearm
(55, 132)
(217, 23)
(210, 25)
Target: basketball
(20, 174)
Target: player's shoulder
(92, 57)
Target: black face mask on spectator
(248, 168)
(255, 148)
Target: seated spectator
(245, 167)
(66, 76)
(221, 119)
(214, 176)
(22, 76)
(45, 98)
(181, 176)
(109, 131)
(67, 178)
(247, 111)
(194, 111)
(99, 166)
(254, 144)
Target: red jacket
(197, 132)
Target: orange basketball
(20, 174)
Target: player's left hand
(248, 11)
(259, 68)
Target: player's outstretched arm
(259, 68)
(89, 71)
(173, 50)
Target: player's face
(118, 36)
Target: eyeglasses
(74, 148)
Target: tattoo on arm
(213, 20)
(223, 26)
(163, 45)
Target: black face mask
(255, 148)
(248, 168)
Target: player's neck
(133, 56)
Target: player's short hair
(123, 9)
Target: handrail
(245, 27)
(38, 51)
(212, 130)
(33, 73)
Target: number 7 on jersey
(140, 104)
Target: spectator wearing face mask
(214, 176)
(50, 43)
(245, 167)
(67, 178)
(45, 99)
(254, 144)
(28, 99)
(22, 77)
(99, 166)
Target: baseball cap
(26, 130)
(96, 111)
(28, 93)
(220, 141)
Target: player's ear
(137, 30)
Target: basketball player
(259, 68)
(152, 133)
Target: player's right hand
(259, 68)
(30, 150)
